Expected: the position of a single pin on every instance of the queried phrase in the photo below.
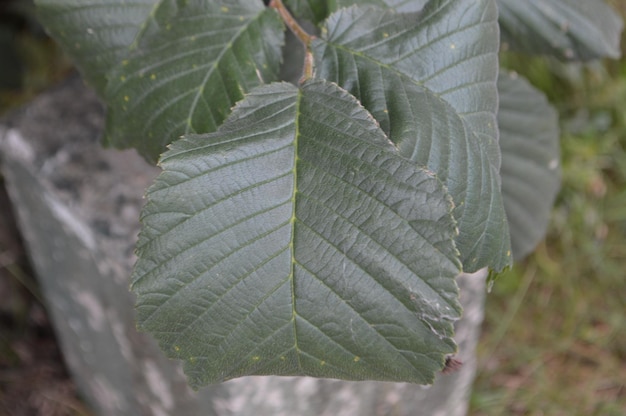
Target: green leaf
(189, 69)
(96, 34)
(400, 6)
(295, 241)
(312, 10)
(529, 138)
(566, 29)
(430, 80)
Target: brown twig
(300, 33)
(291, 23)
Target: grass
(554, 340)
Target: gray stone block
(78, 206)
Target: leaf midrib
(293, 220)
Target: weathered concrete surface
(78, 208)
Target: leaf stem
(291, 23)
(300, 33)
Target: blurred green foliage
(554, 340)
(30, 61)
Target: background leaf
(295, 241)
(430, 80)
(96, 34)
(189, 68)
(529, 138)
(567, 29)
(400, 6)
(312, 10)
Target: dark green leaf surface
(295, 241)
(95, 33)
(189, 69)
(400, 6)
(430, 80)
(312, 10)
(529, 138)
(567, 29)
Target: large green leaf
(193, 63)
(401, 6)
(529, 138)
(95, 33)
(166, 67)
(295, 241)
(567, 29)
(430, 80)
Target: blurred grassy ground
(554, 340)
